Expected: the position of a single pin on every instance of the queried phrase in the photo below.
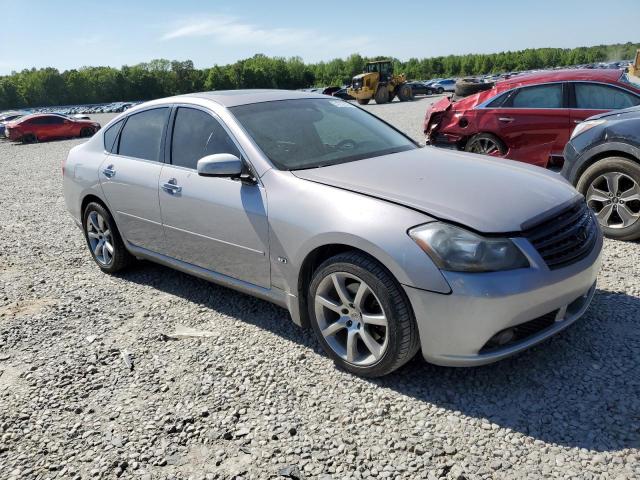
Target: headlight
(584, 126)
(455, 249)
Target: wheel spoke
(378, 319)
(93, 235)
(613, 181)
(352, 345)
(105, 253)
(334, 328)
(338, 284)
(631, 194)
(596, 195)
(109, 247)
(325, 302)
(97, 250)
(605, 214)
(94, 221)
(363, 289)
(373, 346)
(107, 233)
(101, 223)
(627, 216)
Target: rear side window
(197, 134)
(110, 135)
(142, 134)
(595, 96)
(539, 96)
(498, 101)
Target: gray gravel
(100, 376)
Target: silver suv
(382, 247)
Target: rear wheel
(86, 132)
(486, 144)
(361, 316)
(612, 189)
(382, 95)
(364, 101)
(29, 138)
(405, 93)
(103, 239)
(440, 90)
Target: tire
(440, 91)
(29, 138)
(620, 217)
(465, 87)
(345, 318)
(382, 95)
(405, 93)
(107, 232)
(86, 132)
(364, 101)
(486, 144)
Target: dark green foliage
(161, 78)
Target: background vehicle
(307, 201)
(343, 94)
(602, 160)
(41, 127)
(420, 88)
(446, 85)
(379, 82)
(8, 117)
(528, 117)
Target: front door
(215, 223)
(129, 178)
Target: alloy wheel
(485, 146)
(615, 199)
(100, 238)
(351, 319)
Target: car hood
(486, 194)
(625, 113)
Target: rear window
(110, 135)
(142, 134)
(595, 96)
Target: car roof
(594, 75)
(233, 98)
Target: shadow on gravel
(579, 389)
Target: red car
(40, 127)
(528, 117)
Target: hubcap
(485, 146)
(615, 199)
(351, 319)
(100, 239)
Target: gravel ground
(100, 376)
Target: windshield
(626, 79)
(309, 133)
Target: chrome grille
(566, 238)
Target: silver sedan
(382, 247)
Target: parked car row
(531, 118)
(115, 107)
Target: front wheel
(611, 187)
(405, 93)
(363, 101)
(361, 316)
(382, 95)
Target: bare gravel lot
(94, 383)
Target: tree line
(161, 78)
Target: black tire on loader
(466, 87)
(405, 93)
(382, 95)
(363, 101)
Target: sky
(70, 34)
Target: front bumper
(455, 329)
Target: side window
(110, 135)
(40, 121)
(498, 101)
(55, 120)
(594, 96)
(539, 96)
(197, 134)
(142, 134)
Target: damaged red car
(528, 117)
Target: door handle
(506, 119)
(172, 186)
(109, 171)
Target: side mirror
(220, 165)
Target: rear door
(215, 223)
(532, 121)
(591, 98)
(129, 177)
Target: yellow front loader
(378, 82)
